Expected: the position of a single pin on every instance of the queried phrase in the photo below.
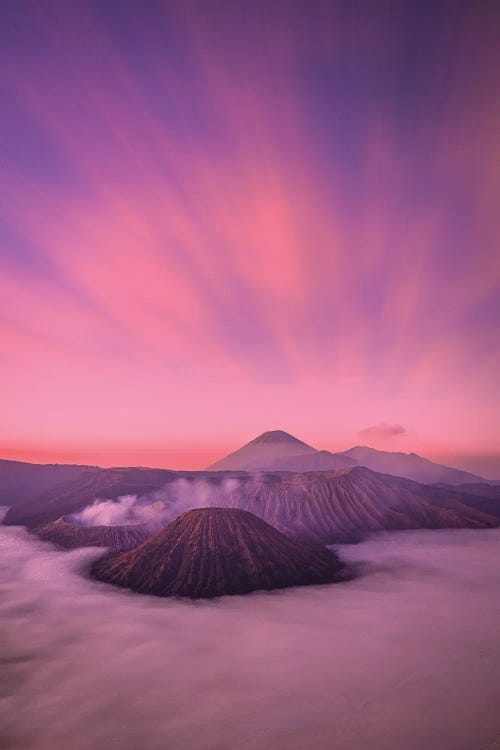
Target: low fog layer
(161, 506)
(402, 658)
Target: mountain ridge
(316, 506)
(346, 504)
(271, 456)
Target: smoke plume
(159, 507)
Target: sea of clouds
(404, 657)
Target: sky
(221, 218)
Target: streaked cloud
(215, 219)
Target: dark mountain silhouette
(65, 533)
(215, 551)
(263, 451)
(21, 482)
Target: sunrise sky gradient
(220, 218)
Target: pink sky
(214, 229)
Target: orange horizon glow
(198, 458)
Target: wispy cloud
(382, 430)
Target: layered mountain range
(216, 551)
(314, 507)
(279, 451)
(265, 528)
(320, 506)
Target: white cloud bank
(403, 658)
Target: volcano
(211, 552)
(333, 507)
(279, 451)
(65, 533)
(266, 450)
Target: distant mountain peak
(276, 436)
(262, 451)
(277, 450)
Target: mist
(402, 658)
(159, 507)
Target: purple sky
(222, 218)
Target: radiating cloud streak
(217, 219)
